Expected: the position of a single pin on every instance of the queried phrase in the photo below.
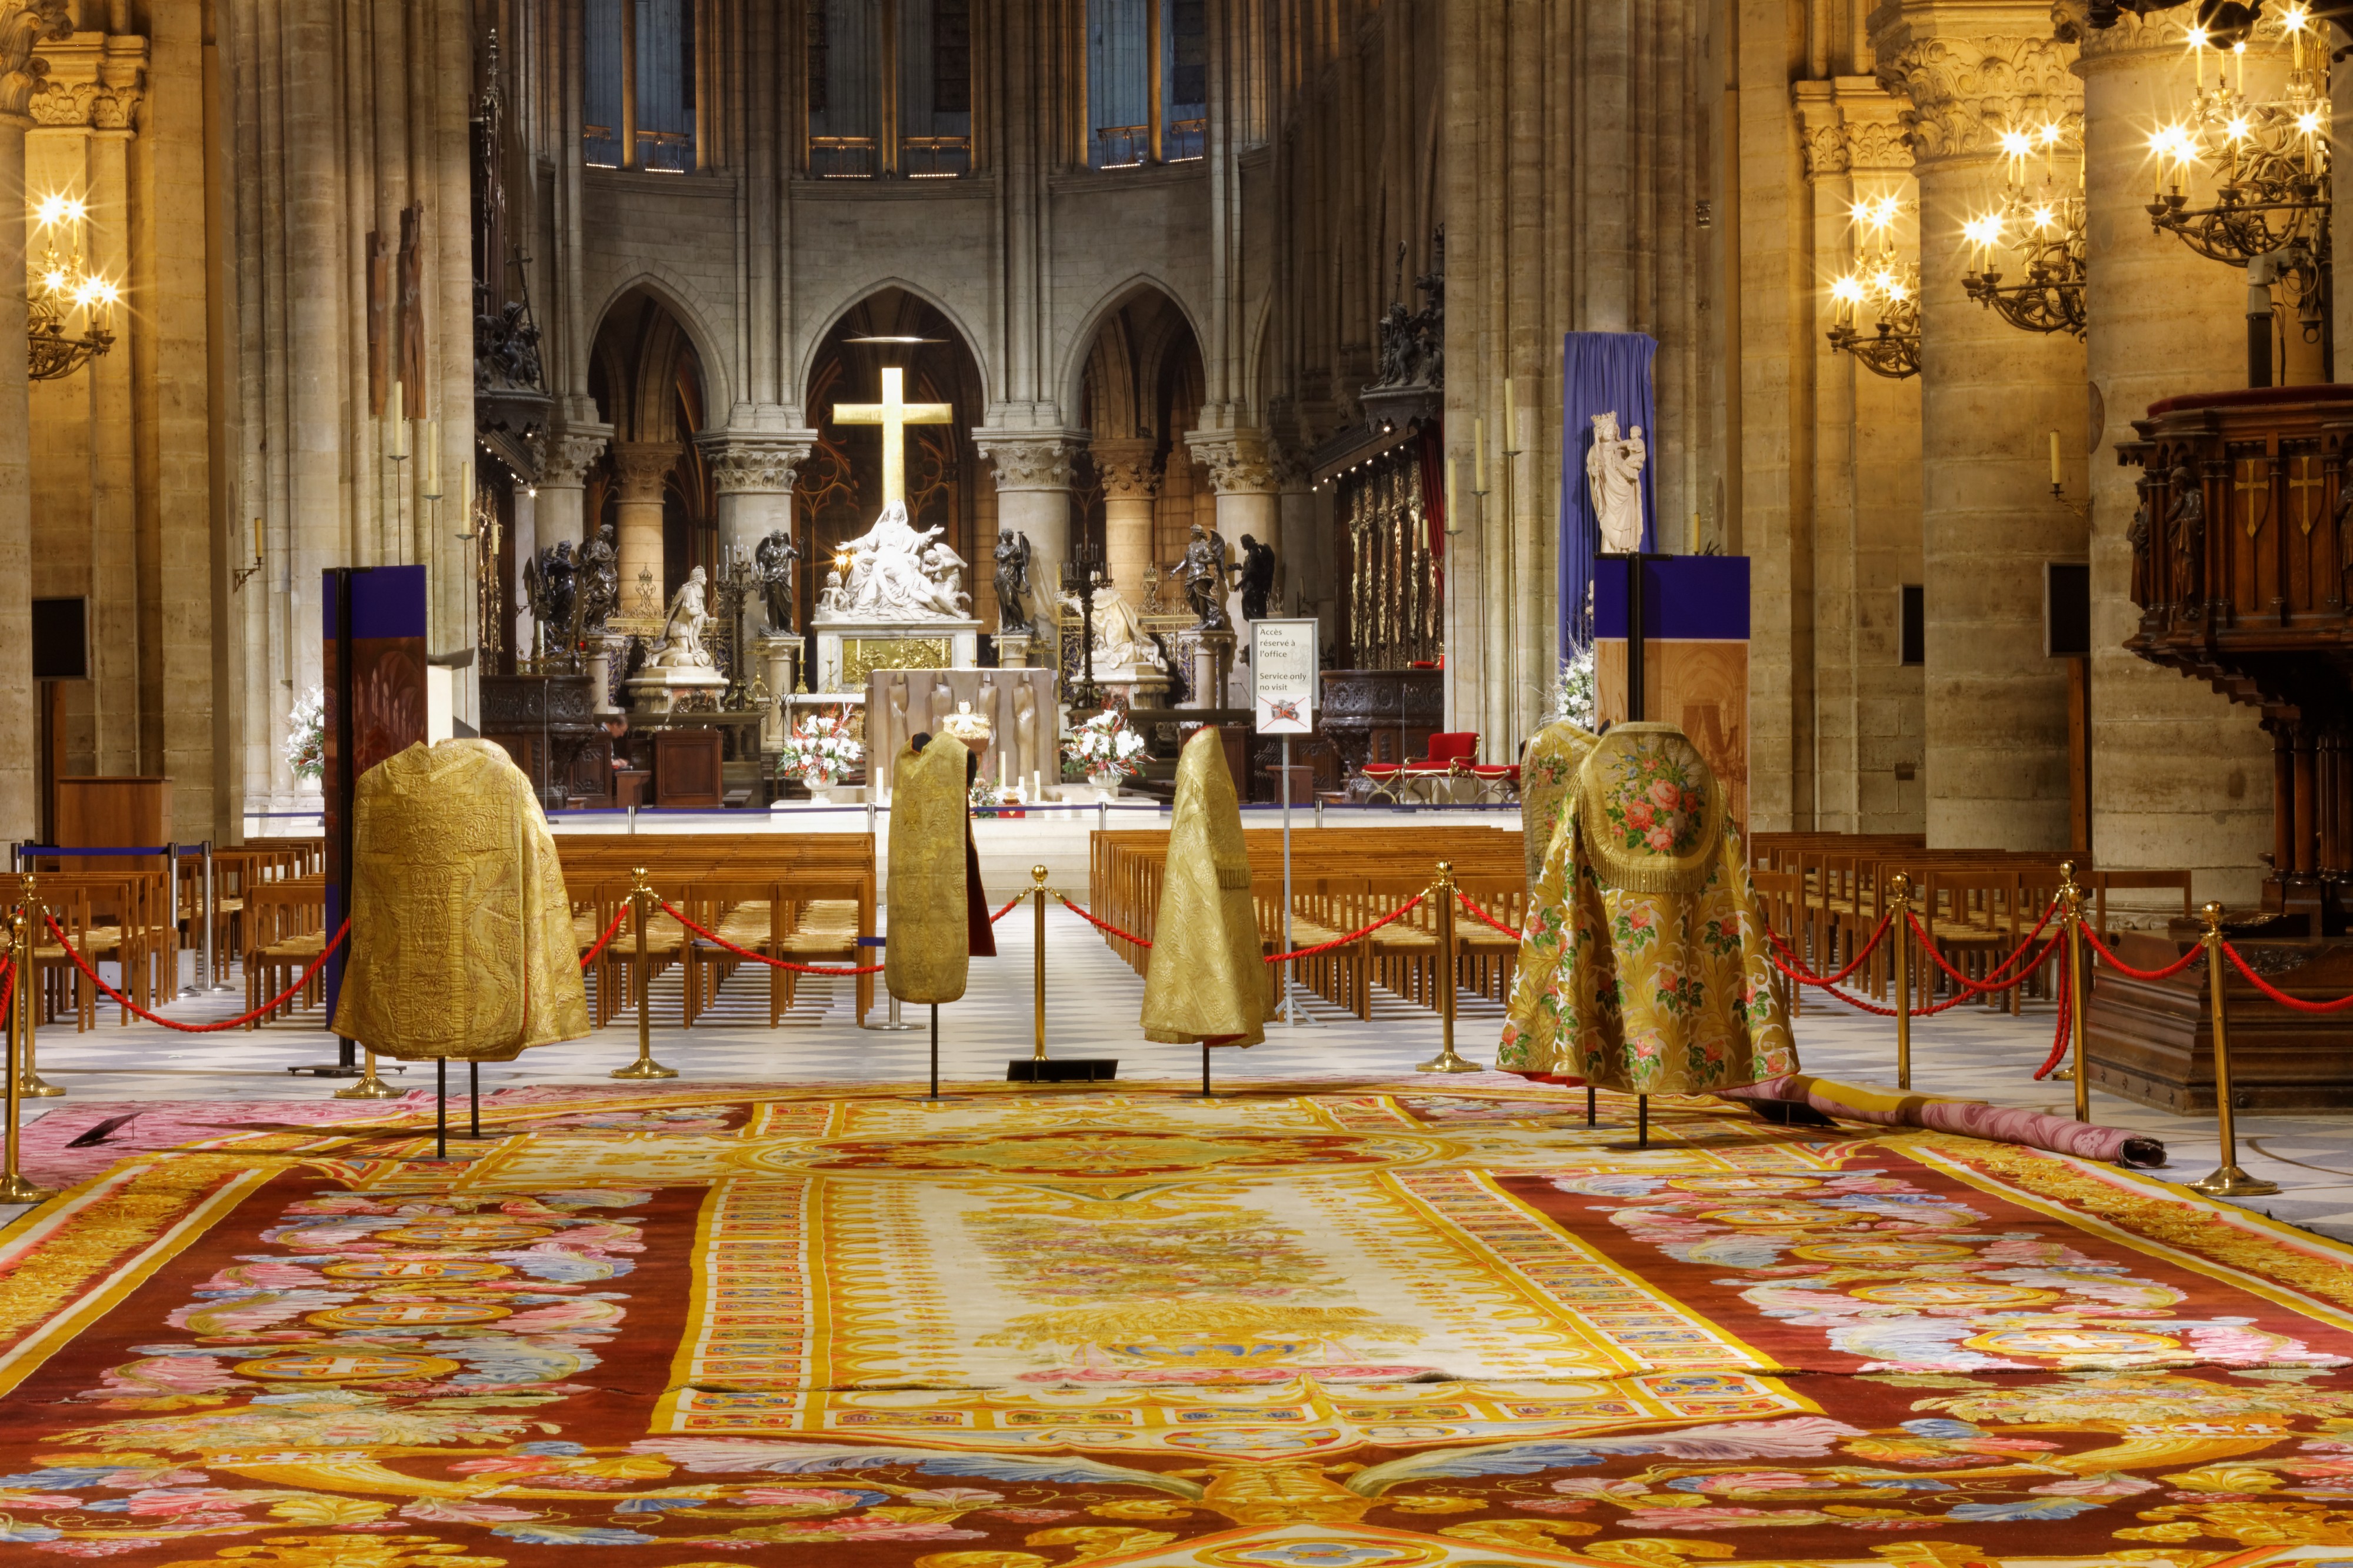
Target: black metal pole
(440, 1108)
(1635, 637)
(936, 1050)
(1204, 1070)
(1592, 1099)
(473, 1099)
(1641, 1122)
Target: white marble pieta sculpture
(682, 644)
(1613, 472)
(897, 573)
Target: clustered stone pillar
(22, 26)
(754, 476)
(2182, 774)
(1033, 499)
(1131, 483)
(1242, 472)
(641, 466)
(1991, 397)
(572, 451)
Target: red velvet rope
(1008, 908)
(271, 1006)
(1810, 978)
(2120, 966)
(1402, 910)
(2281, 997)
(589, 957)
(1469, 903)
(1990, 987)
(2059, 1043)
(718, 940)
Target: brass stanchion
(29, 1082)
(1038, 877)
(1900, 886)
(369, 1087)
(645, 1066)
(2227, 1181)
(1446, 1061)
(13, 1187)
(2071, 910)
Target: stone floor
(1093, 1002)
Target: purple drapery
(1602, 373)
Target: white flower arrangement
(1105, 744)
(306, 736)
(1572, 692)
(820, 750)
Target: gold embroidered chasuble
(1643, 967)
(1547, 773)
(461, 941)
(928, 952)
(1208, 978)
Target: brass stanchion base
(645, 1067)
(15, 1189)
(1447, 1060)
(2231, 1182)
(32, 1086)
(369, 1087)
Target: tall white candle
(432, 463)
(2054, 460)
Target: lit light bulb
(2043, 217)
(2049, 133)
(2017, 143)
(54, 280)
(1847, 290)
(2237, 129)
(1984, 231)
(2308, 122)
(51, 211)
(2197, 37)
(2294, 18)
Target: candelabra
(1890, 287)
(62, 286)
(1082, 575)
(2046, 229)
(2270, 160)
(737, 583)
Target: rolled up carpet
(1970, 1118)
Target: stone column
(1242, 472)
(572, 451)
(2182, 776)
(754, 474)
(1131, 481)
(1033, 498)
(642, 467)
(1301, 576)
(1996, 746)
(22, 26)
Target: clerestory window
(889, 89)
(642, 75)
(1147, 81)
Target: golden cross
(895, 414)
(2305, 476)
(2254, 482)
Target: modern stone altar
(894, 599)
(1018, 707)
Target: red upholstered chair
(1453, 755)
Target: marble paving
(1092, 999)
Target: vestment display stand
(935, 1097)
(1637, 633)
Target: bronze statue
(775, 556)
(1257, 578)
(599, 584)
(1203, 573)
(1012, 582)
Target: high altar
(894, 598)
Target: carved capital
(570, 455)
(755, 464)
(24, 25)
(643, 465)
(1238, 461)
(1030, 462)
(92, 82)
(1964, 92)
(1127, 470)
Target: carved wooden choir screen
(1388, 575)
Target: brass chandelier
(2044, 229)
(2270, 160)
(1886, 286)
(61, 288)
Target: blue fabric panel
(1602, 373)
(1685, 599)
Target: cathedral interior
(1632, 720)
